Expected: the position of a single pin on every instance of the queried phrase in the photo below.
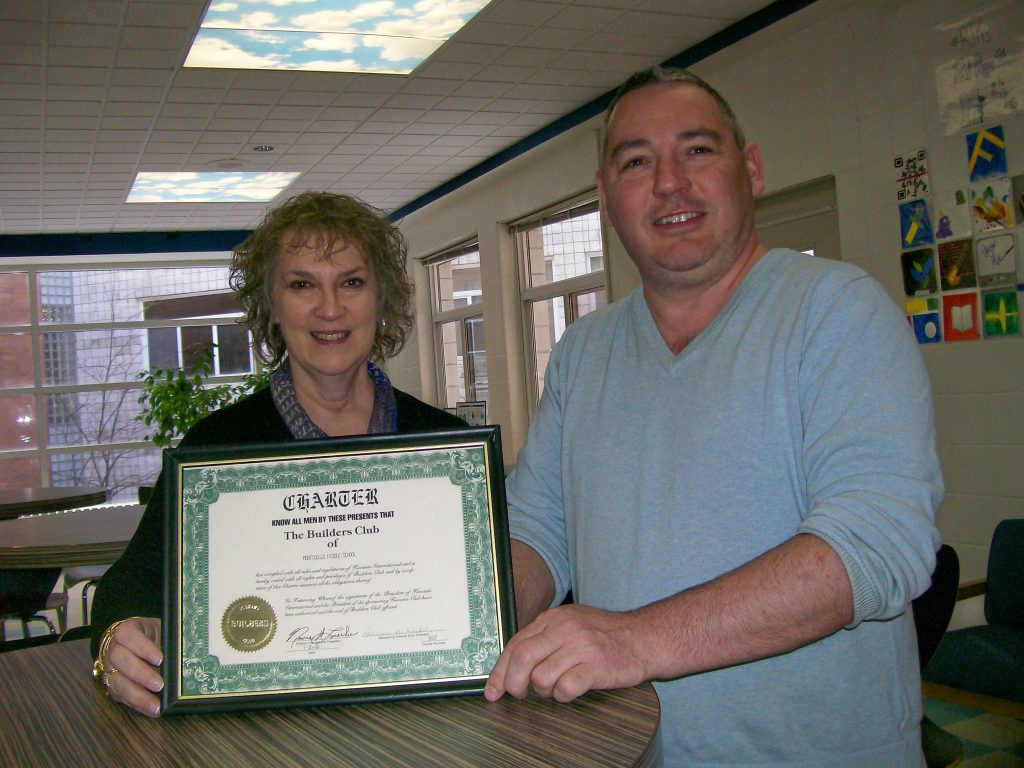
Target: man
(733, 469)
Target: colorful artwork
(911, 175)
(953, 214)
(991, 206)
(921, 306)
(997, 260)
(960, 316)
(923, 316)
(1017, 185)
(1001, 313)
(956, 265)
(926, 328)
(919, 271)
(986, 153)
(915, 226)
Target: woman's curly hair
(329, 222)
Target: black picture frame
(244, 666)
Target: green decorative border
(202, 674)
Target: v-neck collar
(650, 337)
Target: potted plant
(174, 399)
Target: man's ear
(601, 199)
(755, 167)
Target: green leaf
(173, 400)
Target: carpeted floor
(990, 740)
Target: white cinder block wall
(837, 89)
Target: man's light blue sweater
(804, 407)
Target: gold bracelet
(100, 672)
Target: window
(804, 217)
(184, 346)
(73, 339)
(459, 351)
(561, 262)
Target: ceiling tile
(12, 53)
(79, 35)
(586, 18)
(108, 12)
(13, 32)
(506, 33)
(516, 11)
(22, 10)
(184, 15)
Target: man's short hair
(660, 75)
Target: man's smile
(677, 218)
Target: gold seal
(249, 624)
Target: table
(53, 714)
(66, 539)
(27, 501)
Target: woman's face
(326, 309)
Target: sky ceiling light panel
(208, 187)
(379, 36)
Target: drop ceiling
(94, 91)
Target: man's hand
(568, 651)
(786, 598)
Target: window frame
(37, 329)
(462, 315)
(212, 322)
(568, 289)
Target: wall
(840, 89)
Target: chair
(933, 610)
(90, 575)
(22, 643)
(75, 633)
(25, 593)
(989, 659)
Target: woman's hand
(132, 665)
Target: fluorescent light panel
(208, 187)
(380, 36)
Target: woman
(323, 284)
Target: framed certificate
(338, 570)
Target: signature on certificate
(424, 635)
(304, 638)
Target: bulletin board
(960, 226)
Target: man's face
(676, 188)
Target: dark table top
(26, 501)
(54, 714)
(65, 539)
